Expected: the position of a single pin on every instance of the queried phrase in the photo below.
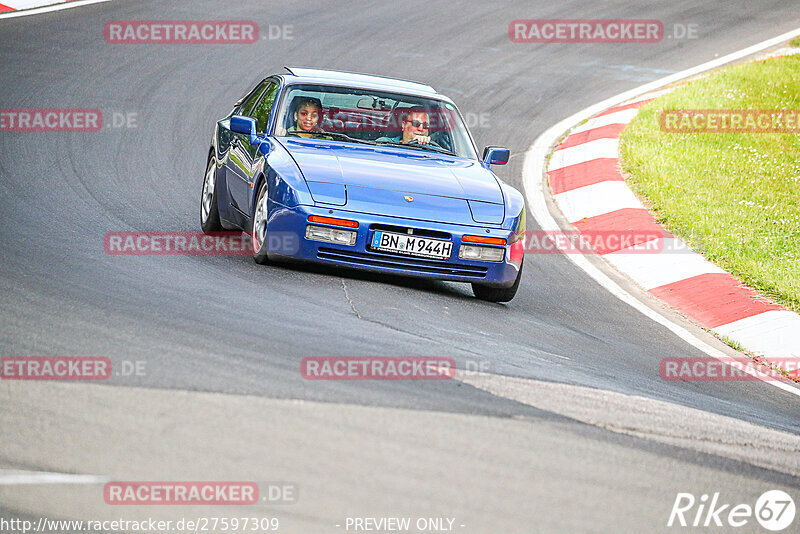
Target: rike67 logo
(774, 510)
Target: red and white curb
(590, 191)
(18, 5)
(19, 8)
(583, 179)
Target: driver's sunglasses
(417, 124)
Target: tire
(209, 210)
(259, 234)
(497, 294)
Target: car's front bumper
(286, 237)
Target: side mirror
(496, 155)
(244, 125)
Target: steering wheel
(431, 143)
(442, 140)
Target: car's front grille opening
(415, 231)
(395, 261)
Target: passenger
(306, 118)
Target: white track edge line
(533, 175)
(48, 9)
(25, 478)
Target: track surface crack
(349, 300)
(389, 326)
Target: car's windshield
(373, 117)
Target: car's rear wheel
(260, 225)
(209, 211)
(497, 294)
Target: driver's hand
(422, 139)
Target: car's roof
(367, 81)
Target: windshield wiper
(337, 135)
(418, 147)
(346, 137)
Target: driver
(415, 128)
(306, 118)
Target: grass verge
(733, 197)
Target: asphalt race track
(554, 437)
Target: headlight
(331, 235)
(471, 252)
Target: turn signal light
(332, 221)
(483, 239)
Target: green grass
(795, 42)
(757, 359)
(733, 197)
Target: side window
(249, 101)
(264, 108)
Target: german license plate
(412, 245)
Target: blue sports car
(365, 172)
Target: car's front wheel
(260, 226)
(209, 211)
(497, 294)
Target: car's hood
(395, 169)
